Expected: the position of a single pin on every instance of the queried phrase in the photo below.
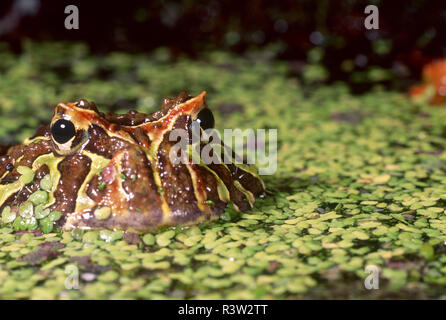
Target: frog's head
(74, 125)
(114, 171)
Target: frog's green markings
(4, 175)
(223, 192)
(52, 163)
(8, 190)
(249, 195)
(199, 195)
(251, 169)
(152, 160)
(98, 163)
(35, 140)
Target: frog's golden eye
(63, 131)
(206, 119)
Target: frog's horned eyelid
(202, 97)
(59, 116)
(203, 94)
(84, 110)
(61, 108)
(74, 106)
(192, 107)
(198, 100)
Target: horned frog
(94, 170)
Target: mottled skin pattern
(122, 162)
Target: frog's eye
(63, 131)
(206, 119)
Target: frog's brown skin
(122, 162)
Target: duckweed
(27, 174)
(55, 215)
(46, 225)
(38, 197)
(149, 239)
(40, 212)
(102, 213)
(26, 210)
(46, 183)
(8, 216)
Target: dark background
(412, 32)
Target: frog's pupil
(63, 131)
(206, 119)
